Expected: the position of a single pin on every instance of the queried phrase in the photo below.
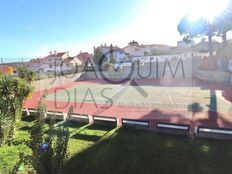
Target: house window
(50, 66)
(137, 49)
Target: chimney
(105, 45)
(67, 53)
(50, 53)
(55, 52)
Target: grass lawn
(136, 151)
(97, 149)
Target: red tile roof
(84, 56)
(55, 55)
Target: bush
(49, 151)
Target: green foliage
(112, 59)
(198, 28)
(38, 129)
(10, 155)
(49, 148)
(60, 148)
(25, 73)
(107, 65)
(137, 62)
(98, 55)
(23, 166)
(192, 29)
(202, 27)
(223, 24)
(13, 91)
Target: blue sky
(29, 25)
(32, 28)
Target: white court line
(170, 99)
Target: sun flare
(208, 9)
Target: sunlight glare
(208, 9)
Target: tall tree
(25, 73)
(197, 28)
(13, 92)
(98, 55)
(223, 23)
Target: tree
(13, 92)
(198, 28)
(112, 59)
(25, 73)
(224, 23)
(49, 148)
(49, 151)
(98, 55)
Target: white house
(52, 62)
(162, 58)
(55, 62)
(134, 49)
(34, 64)
(70, 64)
(114, 51)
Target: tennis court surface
(179, 102)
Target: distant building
(53, 62)
(50, 63)
(83, 57)
(183, 44)
(34, 64)
(57, 62)
(70, 64)
(134, 49)
(203, 45)
(113, 51)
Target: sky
(32, 28)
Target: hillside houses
(134, 49)
(62, 61)
(83, 57)
(112, 51)
(57, 62)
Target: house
(112, 51)
(183, 44)
(83, 57)
(34, 64)
(70, 64)
(203, 45)
(58, 62)
(52, 62)
(134, 49)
